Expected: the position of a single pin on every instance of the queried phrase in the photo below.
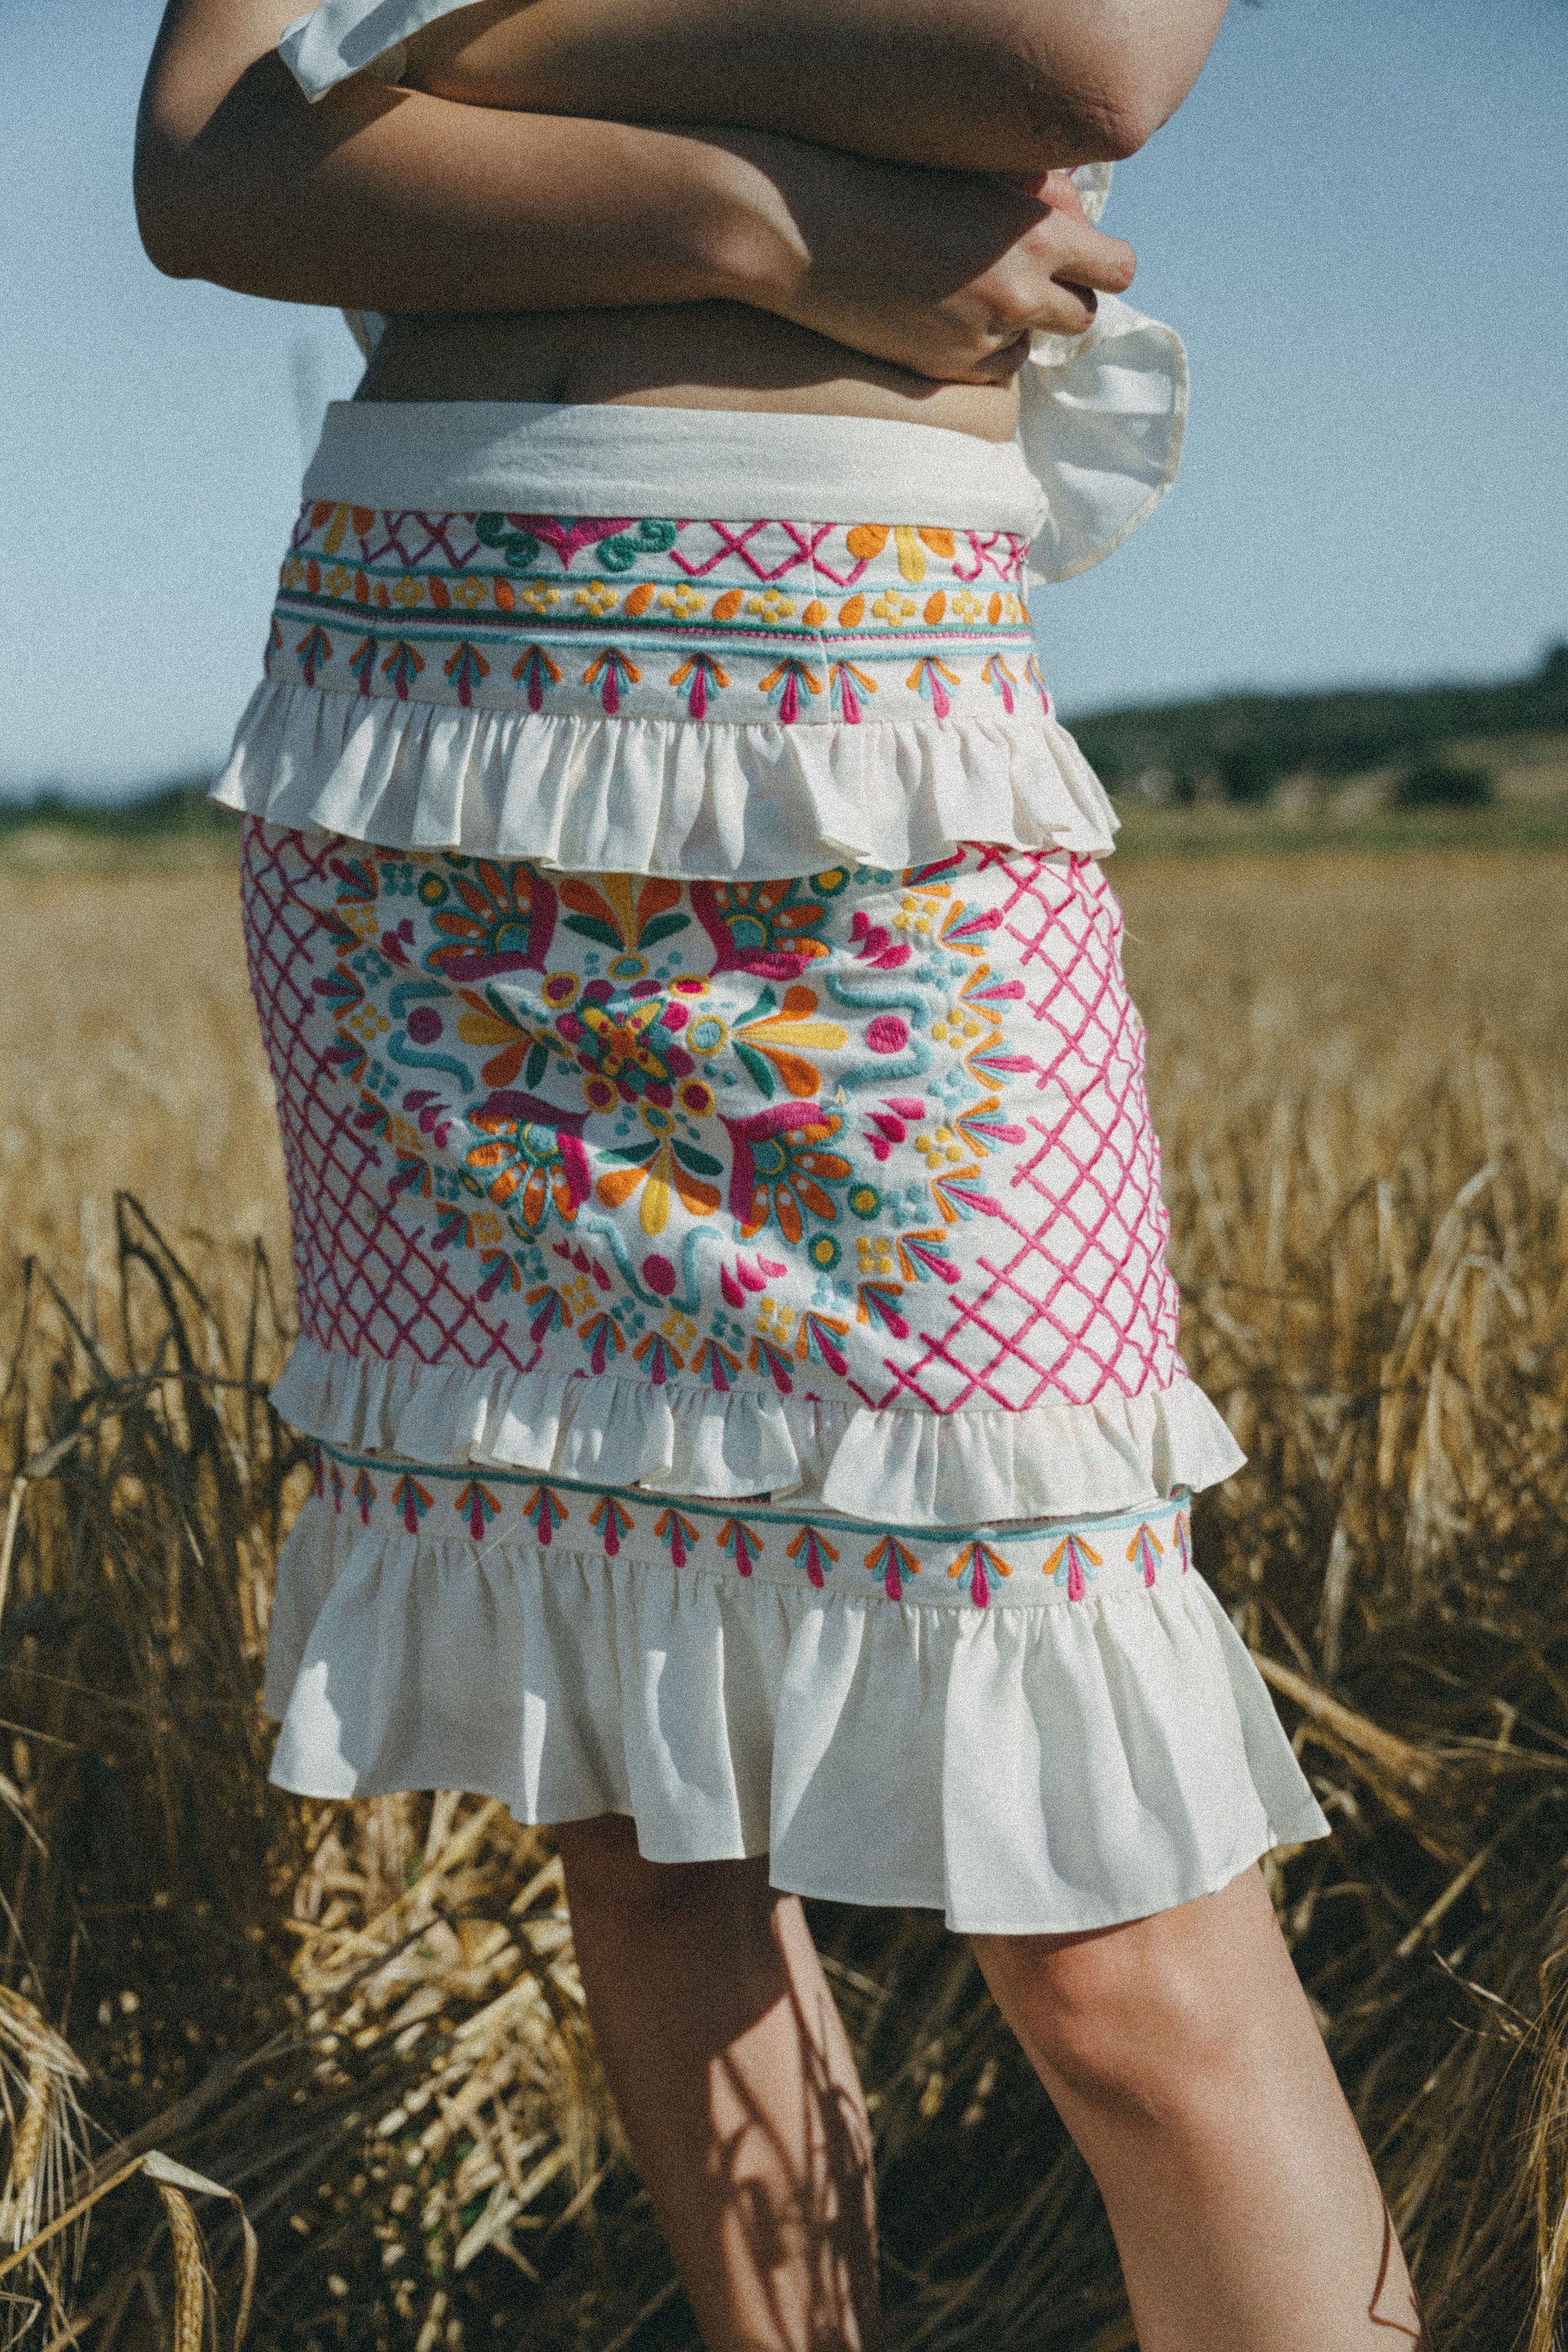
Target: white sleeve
(1103, 418)
(342, 38)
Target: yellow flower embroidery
(580, 1294)
(867, 540)
(771, 606)
(774, 1320)
(339, 580)
(967, 605)
(470, 592)
(875, 1251)
(942, 1145)
(408, 590)
(681, 1329)
(291, 575)
(895, 609)
(538, 596)
(598, 598)
(682, 601)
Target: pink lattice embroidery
(878, 1138)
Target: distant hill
(1247, 743)
(179, 807)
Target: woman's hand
(945, 273)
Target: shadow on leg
(735, 2084)
(1182, 2057)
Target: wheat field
(364, 2022)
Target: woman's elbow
(162, 188)
(164, 230)
(1109, 97)
(1118, 123)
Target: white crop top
(1104, 413)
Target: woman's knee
(1151, 2018)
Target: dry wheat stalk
(1368, 1209)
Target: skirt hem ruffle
(1021, 1768)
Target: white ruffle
(924, 1469)
(341, 37)
(1103, 418)
(1053, 1768)
(697, 799)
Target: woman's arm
(1017, 86)
(382, 200)
(394, 201)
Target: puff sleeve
(342, 38)
(1104, 415)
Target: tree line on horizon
(1241, 747)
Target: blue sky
(1358, 222)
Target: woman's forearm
(1016, 86)
(400, 201)
(412, 202)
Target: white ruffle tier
(697, 799)
(1049, 1768)
(924, 1469)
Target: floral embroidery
(772, 606)
(683, 601)
(763, 1041)
(532, 1165)
(781, 1173)
(812, 1137)
(867, 541)
(761, 926)
(671, 1169)
(894, 609)
(503, 922)
(629, 1046)
(772, 638)
(623, 912)
(617, 674)
(1073, 1562)
(976, 1567)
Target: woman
(735, 1320)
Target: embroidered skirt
(734, 1316)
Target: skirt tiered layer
(736, 1327)
(1042, 1726)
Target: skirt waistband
(549, 458)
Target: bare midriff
(684, 355)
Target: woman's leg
(1182, 2055)
(735, 2084)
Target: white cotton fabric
(924, 1469)
(676, 796)
(551, 457)
(1025, 1769)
